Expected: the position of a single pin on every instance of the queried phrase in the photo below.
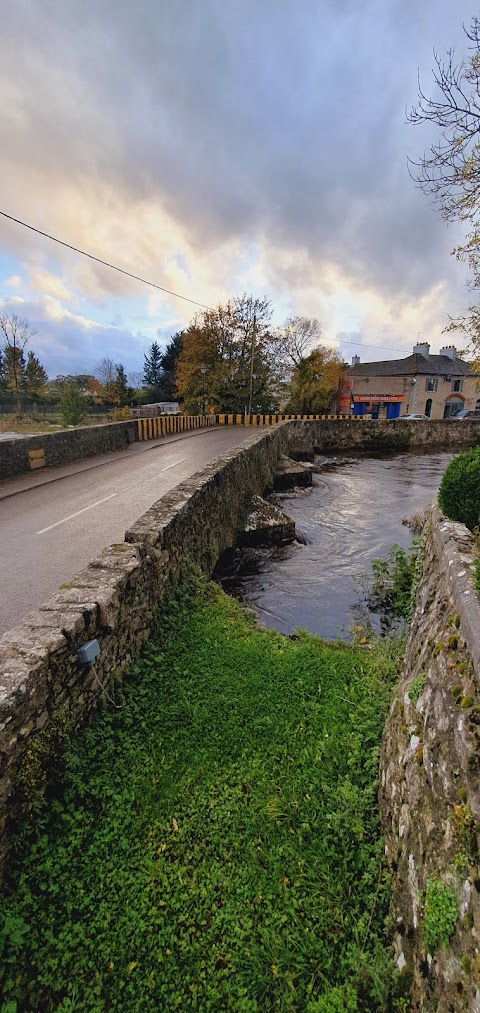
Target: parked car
(466, 413)
(410, 418)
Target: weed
(440, 914)
(416, 688)
(391, 587)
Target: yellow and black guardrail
(166, 425)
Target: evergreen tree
(35, 378)
(169, 366)
(152, 370)
(121, 385)
(73, 408)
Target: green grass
(215, 844)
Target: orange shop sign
(377, 398)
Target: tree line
(232, 359)
(229, 359)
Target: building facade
(435, 385)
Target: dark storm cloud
(280, 120)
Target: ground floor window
(452, 406)
(428, 407)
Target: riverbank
(212, 841)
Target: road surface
(53, 523)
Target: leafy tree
(35, 378)
(152, 370)
(230, 355)
(17, 332)
(315, 381)
(449, 172)
(2, 370)
(73, 405)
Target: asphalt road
(53, 523)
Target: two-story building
(433, 385)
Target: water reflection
(352, 515)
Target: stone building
(435, 385)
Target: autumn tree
(16, 333)
(315, 381)
(35, 378)
(230, 354)
(449, 171)
(106, 373)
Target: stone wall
(64, 446)
(327, 435)
(430, 781)
(384, 437)
(115, 599)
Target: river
(351, 515)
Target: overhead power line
(160, 288)
(105, 263)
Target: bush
(73, 407)
(121, 414)
(459, 493)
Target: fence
(154, 428)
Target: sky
(217, 148)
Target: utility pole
(254, 330)
(203, 370)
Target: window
(457, 384)
(431, 383)
(428, 407)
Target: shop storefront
(377, 406)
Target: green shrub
(390, 589)
(459, 493)
(416, 688)
(121, 414)
(73, 404)
(440, 914)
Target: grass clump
(214, 844)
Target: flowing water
(352, 515)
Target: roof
(412, 365)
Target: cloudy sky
(216, 147)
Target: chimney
(355, 360)
(449, 351)
(422, 348)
